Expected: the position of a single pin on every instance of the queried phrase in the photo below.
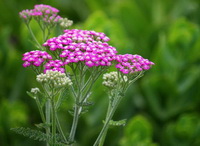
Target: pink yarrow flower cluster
(129, 63)
(25, 14)
(45, 12)
(89, 47)
(35, 58)
(54, 65)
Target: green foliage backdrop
(162, 108)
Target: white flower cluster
(55, 78)
(65, 23)
(111, 79)
(35, 90)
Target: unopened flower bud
(55, 78)
(65, 23)
(35, 90)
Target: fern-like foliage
(117, 123)
(33, 134)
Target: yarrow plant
(72, 62)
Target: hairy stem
(40, 110)
(111, 110)
(53, 122)
(60, 128)
(48, 118)
(104, 129)
(34, 38)
(75, 123)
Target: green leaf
(33, 134)
(117, 123)
(89, 103)
(42, 125)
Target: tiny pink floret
(129, 63)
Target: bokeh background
(162, 108)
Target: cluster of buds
(35, 90)
(54, 79)
(112, 79)
(42, 12)
(65, 23)
(26, 15)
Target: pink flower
(42, 12)
(85, 46)
(129, 63)
(54, 65)
(35, 58)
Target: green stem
(105, 133)
(75, 123)
(60, 129)
(80, 98)
(101, 138)
(77, 107)
(101, 142)
(48, 118)
(40, 109)
(43, 35)
(104, 129)
(33, 36)
(53, 122)
(48, 34)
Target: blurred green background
(162, 108)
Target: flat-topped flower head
(54, 65)
(46, 9)
(85, 46)
(112, 79)
(129, 63)
(35, 58)
(41, 12)
(45, 13)
(54, 79)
